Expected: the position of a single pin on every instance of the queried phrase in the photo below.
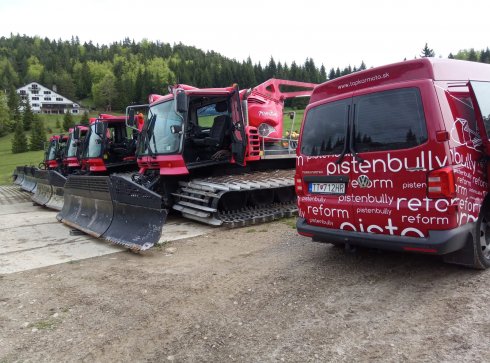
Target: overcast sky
(333, 33)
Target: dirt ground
(260, 293)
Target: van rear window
(325, 129)
(389, 120)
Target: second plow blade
(57, 182)
(138, 214)
(87, 204)
(44, 190)
(29, 182)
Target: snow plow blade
(29, 183)
(44, 191)
(19, 175)
(138, 216)
(57, 182)
(87, 204)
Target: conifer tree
(4, 115)
(27, 116)
(38, 135)
(14, 107)
(68, 121)
(19, 142)
(472, 56)
(85, 119)
(427, 52)
(57, 125)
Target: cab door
(239, 138)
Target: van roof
(424, 68)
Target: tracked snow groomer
(61, 160)
(200, 155)
(27, 176)
(107, 148)
(100, 148)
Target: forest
(112, 76)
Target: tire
(481, 239)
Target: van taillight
(440, 183)
(298, 185)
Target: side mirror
(176, 129)
(130, 120)
(292, 114)
(76, 133)
(181, 101)
(99, 128)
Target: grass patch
(251, 230)
(291, 222)
(48, 324)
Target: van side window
(325, 127)
(389, 120)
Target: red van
(395, 157)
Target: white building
(44, 100)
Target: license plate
(327, 188)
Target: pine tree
(57, 125)
(485, 56)
(19, 142)
(472, 56)
(427, 52)
(323, 74)
(4, 115)
(14, 107)
(68, 121)
(85, 119)
(27, 116)
(38, 135)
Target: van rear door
(323, 164)
(389, 182)
(480, 94)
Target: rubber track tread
(206, 193)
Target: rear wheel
(482, 239)
(285, 195)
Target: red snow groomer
(58, 163)
(215, 155)
(26, 176)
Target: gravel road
(256, 294)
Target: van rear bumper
(438, 242)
